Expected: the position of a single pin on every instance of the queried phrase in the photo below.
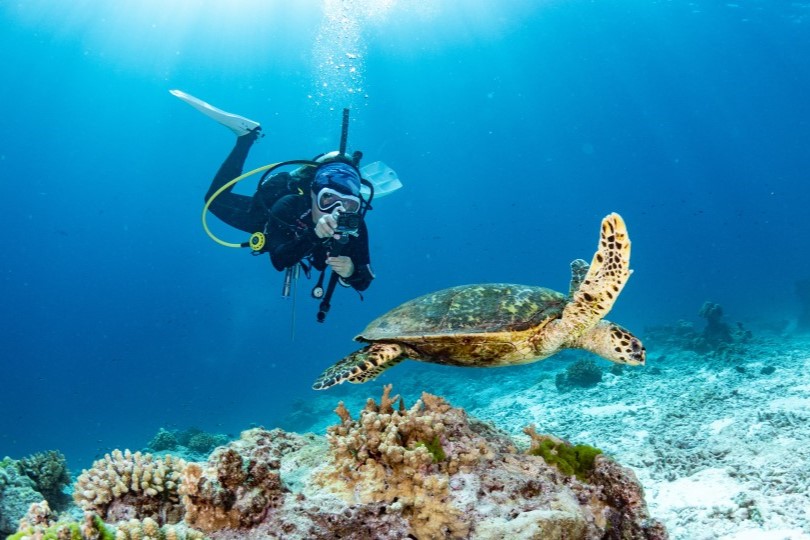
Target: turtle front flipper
(579, 269)
(605, 279)
(361, 366)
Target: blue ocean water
(515, 127)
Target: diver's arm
(362, 276)
(286, 244)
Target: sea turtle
(499, 324)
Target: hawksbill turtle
(498, 324)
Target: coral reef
(124, 485)
(163, 440)
(239, 483)
(384, 458)
(483, 488)
(582, 373)
(193, 443)
(41, 523)
(427, 471)
(717, 338)
(717, 332)
(30, 480)
(50, 475)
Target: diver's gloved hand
(326, 227)
(342, 265)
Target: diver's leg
(232, 208)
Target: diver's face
(317, 214)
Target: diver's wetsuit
(288, 225)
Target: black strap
(334, 251)
(323, 309)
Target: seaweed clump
(435, 448)
(571, 460)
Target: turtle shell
(468, 309)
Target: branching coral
(404, 458)
(49, 472)
(40, 523)
(127, 479)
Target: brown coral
(391, 456)
(123, 482)
(148, 529)
(482, 487)
(239, 483)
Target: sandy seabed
(722, 449)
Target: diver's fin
(238, 124)
(382, 177)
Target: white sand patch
(790, 404)
(709, 489)
(719, 425)
(759, 534)
(609, 410)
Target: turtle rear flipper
(361, 366)
(605, 279)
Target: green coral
(56, 531)
(435, 449)
(107, 533)
(573, 460)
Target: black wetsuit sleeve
(236, 210)
(357, 249)
(289, 239)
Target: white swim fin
(382, 177)
(238, 124)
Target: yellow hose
(217, 193)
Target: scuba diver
(311, 217)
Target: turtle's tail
(361, 366)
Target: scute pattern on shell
(485, 308)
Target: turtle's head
(614, 343)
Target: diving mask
(329, 199)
